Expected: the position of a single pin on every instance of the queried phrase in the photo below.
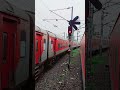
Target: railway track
(59, 77)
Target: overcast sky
(42, 8)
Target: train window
(51, 46)
(44, 44)
(23, 44)
(44, 40)
(36, 45)
(51, 42)
(5, 45)
(44, 47)
(58, 45)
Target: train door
(38, 48)
(54, 46)
(7, 47)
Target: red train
(82, 55)
(48, 46)
(114, 57)
(16, 45)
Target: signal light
(69, 31)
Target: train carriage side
(82, 55)
(60, 43)
(51, 45)
(114, 57)
(14, 45)
(38, 45)
(32, 46)
(65, 45)
(41, 41)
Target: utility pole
(77, 34)
(71, 19)
(70, 39)
(64, 35)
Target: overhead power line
(59, 15)
(61, 9)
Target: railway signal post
(72, 24)
(69, 37)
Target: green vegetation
(74, 53)
(96, 62)
(99, 60)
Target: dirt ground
(60, 78)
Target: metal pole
(77, 35)
(70, 39)
(72, 13)
(72, 28)
(64, 35)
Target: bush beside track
(100, 76)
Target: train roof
(32, 15)
(51, 34)
(8, 8)
(38, 29)
(60, 37)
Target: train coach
(48, 47)
(95, 43)
(114, 57)
(82, 55)
(16, 54)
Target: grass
(74, 53)
(99, 60)
(96, 60)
